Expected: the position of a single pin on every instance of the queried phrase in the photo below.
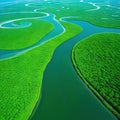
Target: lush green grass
(97, 60)
(24, 37)
(21, 77)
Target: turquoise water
(64, 95)
(58, 29)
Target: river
(64, 95)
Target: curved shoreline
(105, 102)
(29, 69)
(57, 38)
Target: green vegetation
(102, 17)
(97, 60)
(21, 77)
(25, 36)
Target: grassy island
(21, 77)
(25, 36)
(97, 60)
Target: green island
(97, 61)
(20, 83)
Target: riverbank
(21, 81)
(97, 64)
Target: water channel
(64, 95)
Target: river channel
(64, 95)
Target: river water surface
(64, 95)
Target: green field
(21, 77)
(25, 36)
(97, 60)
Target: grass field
(21, 77)
(25, 36)
(97, 60)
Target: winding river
(58, 30)
(64, 95)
